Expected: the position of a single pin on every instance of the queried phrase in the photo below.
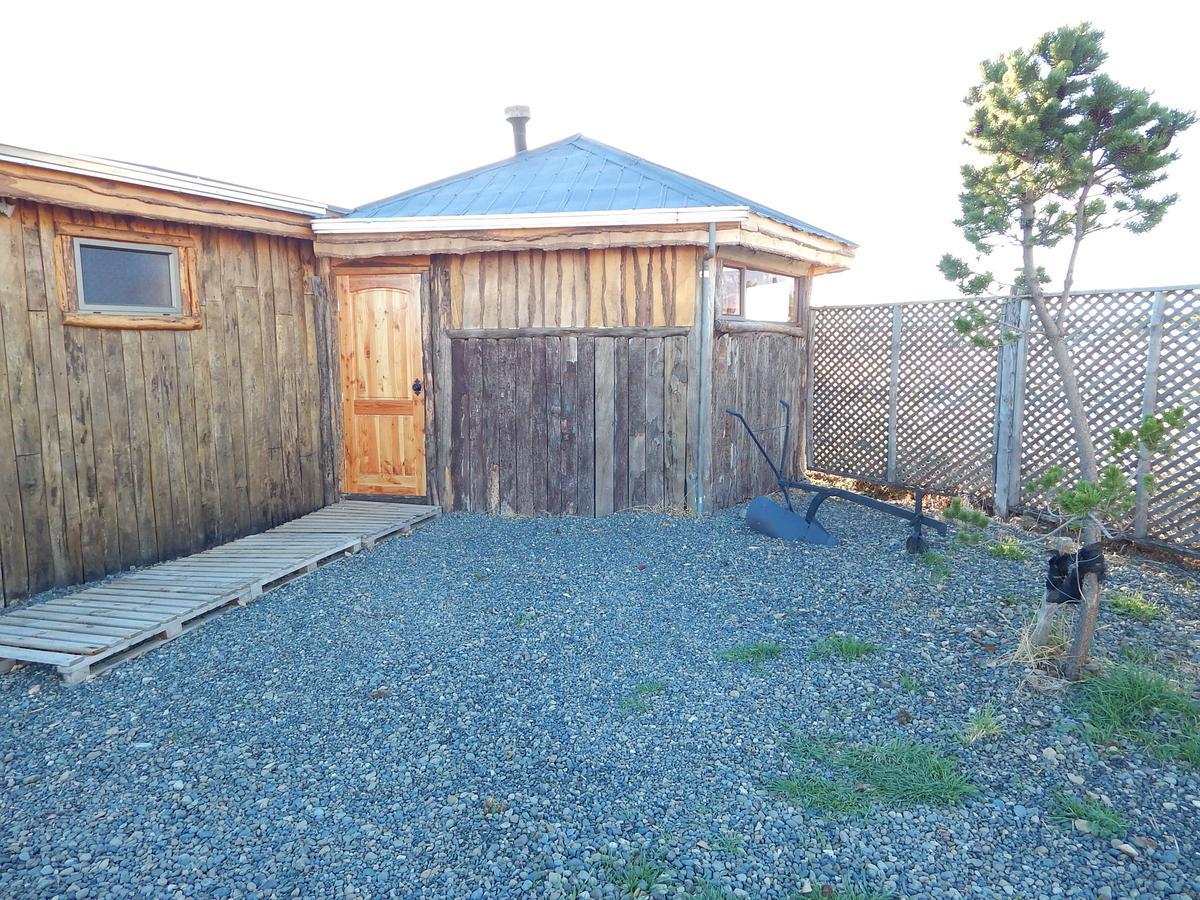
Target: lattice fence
(899, 397)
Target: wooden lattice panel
(940, 396)
(851, 360)
(946, 402)
(1174, 511)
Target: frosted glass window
(127, 278)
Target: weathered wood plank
(655, 417)
(621, 429)
(460, 445)
(585, 428)
(540, 400)
(569, 432)
(637, 407)
(675, 430)
(525, 503)
(554, 425)
(604, 446)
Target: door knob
(417, 387)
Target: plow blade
(769, 518)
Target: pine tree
(1067, 152)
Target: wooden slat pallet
(92, 630)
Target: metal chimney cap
(516, 112)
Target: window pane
(119, 276)
(729, 291)
(769, 296)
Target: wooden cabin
(161, 343)
(561, 331)
(185, 361)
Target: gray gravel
(442, 716)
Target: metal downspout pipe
(704, 355)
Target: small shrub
(969, 536)
(1008, 548)
(1140, 707)
(844, 646)
(982, 725)
(1134, 605)
(1101, 820)
(758, 652)
(957, 511)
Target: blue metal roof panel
(576, 174)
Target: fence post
(1149, 406)
(893, 394)
(1015, 316)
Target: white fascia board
(148, 176)
(690, 215)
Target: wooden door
(382, 384)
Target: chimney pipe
(518, 116)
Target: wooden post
(1010, 406)
(804, 452)
(329, 381)
(893, 393)
(1149, 406)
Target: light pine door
(382, 384)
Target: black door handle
(417, 386)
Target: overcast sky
(846, 115)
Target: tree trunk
(1085, 627)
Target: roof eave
(694, 215)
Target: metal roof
(151, 176)
(576, 174)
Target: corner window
(756, 295)
(126, 278)
(131, 277)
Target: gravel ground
(456, 715)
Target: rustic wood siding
(630, 286)
(568, 425)
(752, 372)
(577, 424)
(121, 447)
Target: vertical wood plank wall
(122, 447)
(583, 424)
(752, 372)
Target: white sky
(846, 115)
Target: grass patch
(910, 683)
(1008, 548)
(1134, 605)
(982, 725)
(1133, 705)
(710, 891)
(899, 772)
(638, 876)
(937, 564)
(520, 620)
(818, 792)
(969, 536)
(758, 652)
(1138, 655)
(730, 843)
(903, 772)
(841, 645)
(638, 703)
(1011, 600)
(848, 891)
(1101, 820)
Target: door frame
(341, 271)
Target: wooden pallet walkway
(91, 630)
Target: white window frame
(172, 254)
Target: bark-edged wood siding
(595, 288)
(121, 447)
(568, 425)
(752, 372)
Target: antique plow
(769, 518)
